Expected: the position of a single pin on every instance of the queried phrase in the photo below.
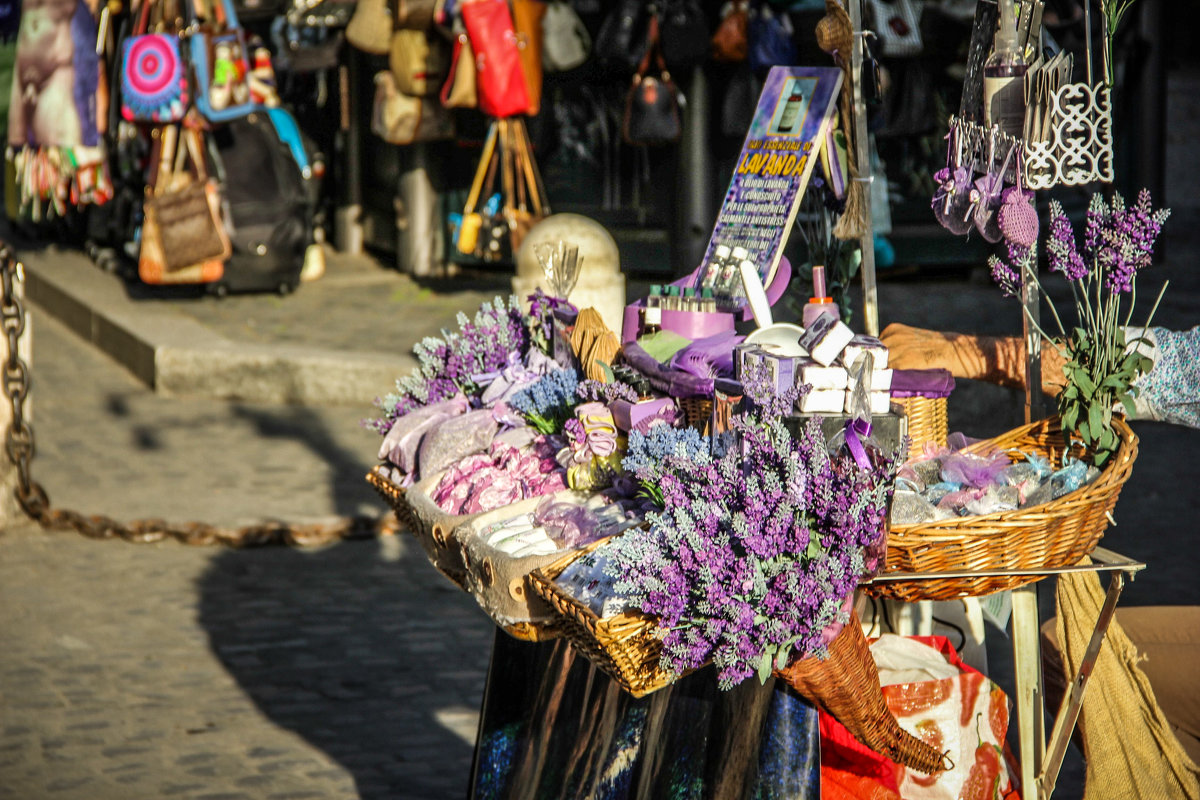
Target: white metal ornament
(1080, 147)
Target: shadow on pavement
(360, 650)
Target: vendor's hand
(918, 348)
(987, 358)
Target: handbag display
(566, 42)
(527, 22)
(370, 28)
(460, 90)
(399, 118)
(220, 62)
(183, 236)
(153, 78)
(730, 42)
(652, 115)
(419, 62)
(500, 77)
(494, 230)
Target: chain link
(19, 445)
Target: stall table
(1041, 760)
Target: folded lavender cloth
(663, 379)
(933, 383)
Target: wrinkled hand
(918, 348)
(987, 358)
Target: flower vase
(846, 686)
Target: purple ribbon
(856, 431)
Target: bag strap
(506, 165)
(481, 171)
(168, 144)
(142, 25)
(653, 49)
(539, 188)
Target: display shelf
(1040, 760)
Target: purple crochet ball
(1018, 218)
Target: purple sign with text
(782, 146)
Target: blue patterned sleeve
(1170, 391)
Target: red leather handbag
(501, 81)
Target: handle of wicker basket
(846, 685)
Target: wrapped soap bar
(862, 343)
(820, 377)
(825, 339)
(881, 380)
(627, 415)
(881, 402)
(823, 401)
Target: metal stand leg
(1072, 703)
(1027, 664)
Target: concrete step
(177, 355)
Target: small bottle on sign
(790, 116)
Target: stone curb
(175, 354)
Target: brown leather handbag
(730, 42)
(183, 235)
(527, 22)
(398, 118)
(415, 14)
(652, 115)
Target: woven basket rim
(1114, 473)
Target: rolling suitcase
(270, 206)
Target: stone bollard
(10, 510)
(601, 284)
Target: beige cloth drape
(1131, 751)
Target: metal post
(348, 225)
(862, 147)
(420, 235)
(1027, 665)
(694, 214)
(1031, 317)
(1072, 703)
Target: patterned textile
(1170, 392)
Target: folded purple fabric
(709, 357)
(664, 379)
(933, 383)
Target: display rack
(1041, 760)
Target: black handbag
(652, 105)
(684, 32)
(617, 44)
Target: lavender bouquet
(455, 361)
(1100, 365)
(546, 404)
(754, 553)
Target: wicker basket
(697, 412)
(625, 647)
(927, 421)
(392, 494)
(1053, 534)
(433, 529)
(846, 686)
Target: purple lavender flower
(1061, 251)
(753, 553)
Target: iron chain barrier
(21, 448)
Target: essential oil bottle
(1004, 77)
